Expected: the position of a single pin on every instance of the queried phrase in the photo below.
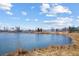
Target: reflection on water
(18, 43)
(12, 41)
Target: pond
(11, 41)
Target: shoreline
(66, 50)
(62, 33)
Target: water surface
(11, 41)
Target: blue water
(11, 41)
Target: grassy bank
(67, 50)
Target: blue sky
(42, 15)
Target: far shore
(67, 50)
(35, 32)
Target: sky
(42, 15)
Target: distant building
(12, 29)
(39, 30)
(18, 29)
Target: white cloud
(55, 4)
(78, 20)
(60, 22)
(78, 17)
(54, 9)
(9, 13)
(50, 15)
(36, 20)
(24, 13)
(32, 7)
(27, 19)
(45, 7)
(61, 9)
(32, 20)
(5, 6)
